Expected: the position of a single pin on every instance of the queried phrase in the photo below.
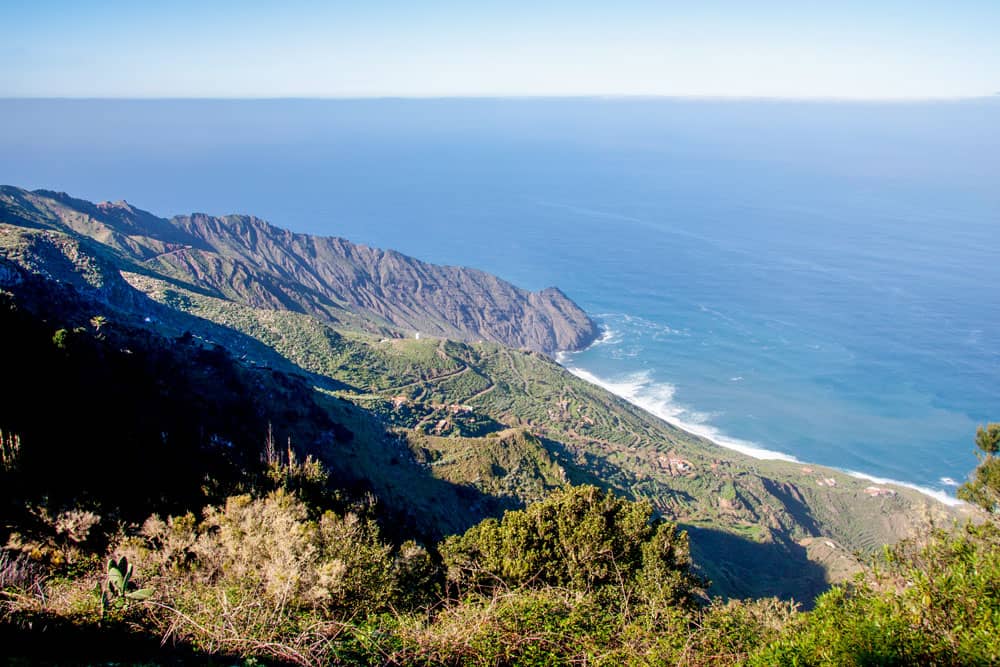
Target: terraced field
(454, 404)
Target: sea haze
(797, 279)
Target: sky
(309, 48)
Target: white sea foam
(948, 481)
(657, 398)
(657, 330)
(608, 336)
(941, 496)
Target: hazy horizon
(301, 49)
(515, 96)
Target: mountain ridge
(250, 260)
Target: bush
(580, 538)
(935, 602)
(269, 578)
(556, 626)
(263, 577)
(545, 626)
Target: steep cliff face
(248, 260)
(445, 301)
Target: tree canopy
(984, 487)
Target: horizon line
(511, 96)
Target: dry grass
(21, 579)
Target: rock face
(247, 259)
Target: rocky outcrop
(62, 259)
(414, 296)
(247, 259)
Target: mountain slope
(494, 426)
(758, 527)
(248, 260)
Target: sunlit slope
(460, 430)
(461, 397)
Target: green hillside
(136, 393)
(787, 521)
(442, 388)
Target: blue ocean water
(817, 280)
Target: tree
(988, 438)
(984, 487)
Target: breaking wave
(657, 398)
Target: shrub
(580, 538)
(935, 602)
(76, 524)
(265, 577)
(272, 545)
(64, 540)
(557, 626)
(544, 626)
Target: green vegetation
(581, 539)
(931, 602)
(119, 590)
(190, 478)
(274, 553)
(582, 577)
(452, 401)
(395, 401)
(984, 487)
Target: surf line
(659, 403)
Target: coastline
(661, 406)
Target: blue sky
(247, 48)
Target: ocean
(795, 279)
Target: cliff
(248, 260)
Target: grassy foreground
(581, 578)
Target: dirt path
(480, 394)
(164, 254)
(436, 378)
